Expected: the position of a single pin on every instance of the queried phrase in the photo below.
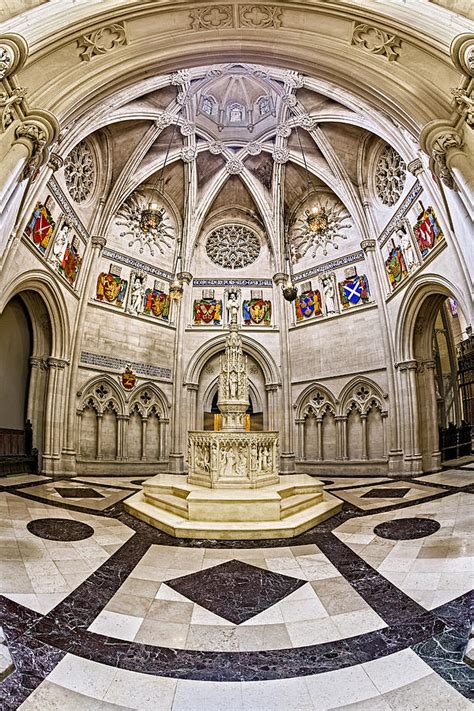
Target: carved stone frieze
(102, 41)
(217, 17)
(376, 41)
(260, 16)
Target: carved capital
(59, 363)
(13, 53)
(438, 139)
(415, 166)
(55, 161)
(405, 365)
(280, 278)
(186, 277)
(462, 53)
(368, 245)
(98, 241)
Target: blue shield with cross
(353, 290)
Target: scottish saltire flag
(353, 290)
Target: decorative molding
(401, 211)
(98, 241)
(415, 167)
(260, 17)
(188, 154)
(217, 17)
(307, 122)
(254, 148)
(102, 41)
(368, 245)
(136, 264)
(281, 155)
(465, 104)
(65, 206)
(443, 142)
(164, 120)
(284, 130)
(55, 162)
(233, 282)
(216, 148)
(187, 128)
(221, 17)
(329, 266)
(118, 364)
(376, 41)
(8, 102)
(13, 53)
(5, 62)
(180, 77)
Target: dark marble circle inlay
(407, 529)
(60, 529)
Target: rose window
(390, 176)
(80, 172)
(233, 246)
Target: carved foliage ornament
(102, 41)
(233, 246)
(259, 16)
(376, 41)
(80, 172)
(390, 176)
(5, 62)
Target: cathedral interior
(236, 355)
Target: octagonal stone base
(282, 510)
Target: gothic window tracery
(233, 246)
(236, 112)
(390, 176)
(80, 172)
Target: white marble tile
(141, 691)
(280, 695)
(392, 671)
(82, 675)
(210, 696)
(331, 690)
(113, 624)
(430, 692)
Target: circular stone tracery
(407, 529)
(390, 176)
(80, 172)
(233, 246)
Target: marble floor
(368, 610)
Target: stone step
(297, 502)
(181, 527)
(168, 502)
(292, 489)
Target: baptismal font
(233, 490)
(233, 457)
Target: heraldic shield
(308, 304)
(257, 311)
(71, 263)
(354, 291)
(111, 287)
(156, 303)
(41, 226)
(207, 311)
(395, 266)
(427, 230)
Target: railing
(455, 441)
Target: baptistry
(233, 490)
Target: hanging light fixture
(152, 216)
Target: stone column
(376, 268)
(428, 400)
(344, 455)
(143, 444)
(340, 434)
(272, 406)
(363, 418)
(384, 434)
(79, 425)
(99, 436)
(191, 391)
(122, 437)
(53, 413)
(97, 244)
(319, 434)
(287, 455)
(299, 440)
(164, 424)
(410, 415)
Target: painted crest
(156, 303)
(354, 291)
(128, 379)
(111, 288)
(41, 226)
(308, 304)
(395, 266)
(427, 230)
(71, 262)
(257, 311)
(207, 311)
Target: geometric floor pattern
(336, 618)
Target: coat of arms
(257, 311)
(207, 311)
(128, 379)
(354, 291)
(71, 262)
(308, 304)
(111, 288)
(395, 265)
(156, 303)
(427, 230)
(41, 226)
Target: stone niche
(230, 460)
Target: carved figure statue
(407, 247)
(60, 244)
(136, 295)
(233, 302)
(329, 292)
(233, 384)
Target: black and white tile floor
(369, 610)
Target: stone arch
(362, 394)
(156, 400)
(217, 344)
(103, 389)
(303, 401)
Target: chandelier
(317, 219)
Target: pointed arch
(361, 393)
